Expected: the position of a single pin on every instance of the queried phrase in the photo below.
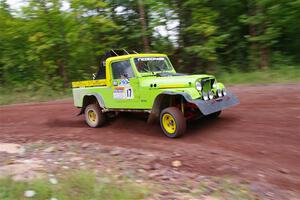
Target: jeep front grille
(207, 84)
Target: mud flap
(215, 105)
(152, 118)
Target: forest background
(46, 44)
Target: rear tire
(94, 117)
(172, 122)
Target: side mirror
(94, 76)
(104, 63)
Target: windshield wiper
(149, 70)
(149, 75)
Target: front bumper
(215, 105)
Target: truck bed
(89, 83)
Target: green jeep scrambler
(133, 82)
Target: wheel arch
(161, 102)
(91, 98)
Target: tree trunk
(253, 55)
(259, 50)
(264, 57)
(183, 18)
(144, 26)
(264, 52)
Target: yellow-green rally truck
(148, 83)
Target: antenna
(135, 52)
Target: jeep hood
(177, 81)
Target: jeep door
(125, 85)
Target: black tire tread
(97, 109)
(214, 115)
(180, 121)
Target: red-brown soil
(258, 140)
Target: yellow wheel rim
(169, 123)
(92, 116)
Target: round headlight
(219, 92)
(198, 86)
(205, 96)
(214, 85)
(224, 92)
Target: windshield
(152, 64)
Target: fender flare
(157, 103)
(206, 107)
(99, 100)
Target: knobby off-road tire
(94, 117)
(172, 122)
(214, 115)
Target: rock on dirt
(154, 174)
(53, 181)
(210, 198)
(85, 145)
(29, 193)
(65, 167)
(152, 166)
(75, 158)
(283, 171)
(11, 148)
(176, 163)
(50, 149)
(115, 152)
(22, 170)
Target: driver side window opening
(122, 69)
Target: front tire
(94, 116)
(172, 122)
(214, 115)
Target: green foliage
(284, 74)
(202, 28)
(32, 93)
(79, 185)
(42, 45)
(205, 40)
(48, 46)
(226, 189)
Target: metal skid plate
(215, 105)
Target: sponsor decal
(123, 90)
(150, 58)
(124, 82)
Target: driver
(142, 67)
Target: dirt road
(258, 140)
